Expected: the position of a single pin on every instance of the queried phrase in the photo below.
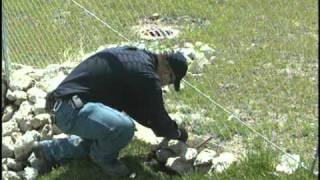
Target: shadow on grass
(85, 169)
(134, 156)
(256, 165)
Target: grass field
(265, 69)
(255, 166)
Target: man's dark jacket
(123, 78)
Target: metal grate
(154, 33)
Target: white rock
(36, 93)
(212, 60)
(199, 44)
(183, 107)
(196, 116)
(146, 135)
(141, 46)
(8, 112)
(191, 154)
(195, 140)
(40, 120)
(4, 88)
(179, 165)
(7, 147)
(52, 69)
(20, 174)
(230, 62)
(50, 83)
(287, 164)
(177, 147)
(207, 50)
(188, 52)
(23, 146)
(188, 45)
(163, 144)
(39, 106)
(23, 69)
(20, 96)
(25, 123)
(4, 167)
(34, 162)
(10, 95)
(205, 157)
(163, 154)
(46, 132)
(222, 162)
(30, 173)
(182, 86)
(178, 117)
(201, 62)
(60, 136)
(9, 127)
(15, 136)
(68, 66)
(37, 74)
(10, 175)
(195, 68)
(24, 110)
(12, 164)
(113, 45)
(19, 80)
(236, 146)
(165, 89)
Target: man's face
(166, 75)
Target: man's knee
(124, 134)
(128, 128)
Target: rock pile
(24, 119)
(177, 156)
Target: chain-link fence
(42, 32)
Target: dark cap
(179, 65)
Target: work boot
(115, 168)
(43, 165)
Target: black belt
(53, 104)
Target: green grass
(257, 165)
(255, 42)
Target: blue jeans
(97, 130)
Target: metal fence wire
(42, 32)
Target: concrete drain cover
(157, 32)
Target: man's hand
(183, 135)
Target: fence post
(315, 160)
(5, 48)
(5, 74)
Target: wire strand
(103, 22)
